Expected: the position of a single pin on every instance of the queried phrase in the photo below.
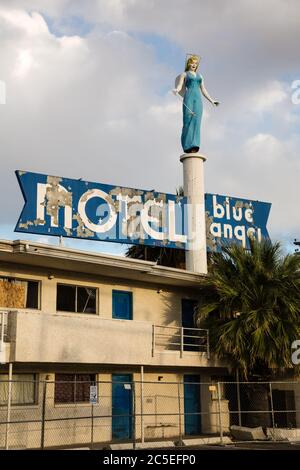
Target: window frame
(21, 279)
(76, 298)
(36, 383)
(74, 382)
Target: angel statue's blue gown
(190, 137)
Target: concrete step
(124, 446)
(206, 441)
(155, 445)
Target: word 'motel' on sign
(80, 209)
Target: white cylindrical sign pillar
(193, 185)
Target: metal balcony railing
(172, 338)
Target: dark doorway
(284, 404)
(190, 340)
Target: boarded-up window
(17, 293)
(73, 388)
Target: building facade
(72, 320)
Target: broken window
(18, 293)
(76, 299)
(73, 388)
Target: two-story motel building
(70, 316)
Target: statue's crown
(190, 55)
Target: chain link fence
(46, 414)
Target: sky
(87, 95)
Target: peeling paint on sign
(81, 209)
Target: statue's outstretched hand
(175, 91)
(216, 103)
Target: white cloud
(24, 62)
(264, 146)
(273, 167)
(166, 111)
(264, 99)
(33, 24)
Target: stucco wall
(152, 303)
(46, 335)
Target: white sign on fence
(93, 394)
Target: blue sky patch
(69, 26)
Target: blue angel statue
(190, 85)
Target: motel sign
(80, 209)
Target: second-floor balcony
(40, 337)
(180, 339)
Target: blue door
(187, 321)
(121, 406)
(122, 305)
(192, 405)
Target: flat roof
(30, 253)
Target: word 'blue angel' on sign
(80, 209)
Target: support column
(193, 185)
(8, 413)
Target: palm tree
(251, 306)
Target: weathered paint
(230, 218)
(80, 209)
(74, 208)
